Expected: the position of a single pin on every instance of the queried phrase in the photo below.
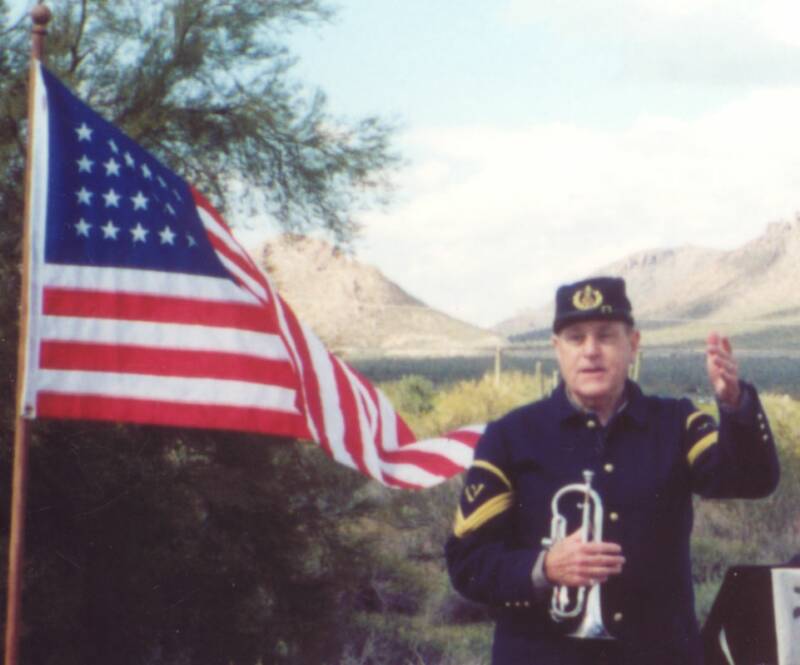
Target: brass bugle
(585, 601)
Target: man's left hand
(723, 372)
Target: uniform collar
(633, 408)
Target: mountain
(679, 294)
(356, 310)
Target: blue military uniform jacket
(647, 461)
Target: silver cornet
(587, 599)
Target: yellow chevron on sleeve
(487, 511)
(693, 417)
(701, 446)
(482, 464)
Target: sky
(544, 139)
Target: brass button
(608, 468)
(527, 604)
(591, 424)
(765, 437)
(613, 517)
(618, 616)
(760, 416)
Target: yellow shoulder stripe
(694, 417)
(493, 469)
(487, 511)
(701, 446)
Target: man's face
(594, 357)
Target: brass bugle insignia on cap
(587, 298)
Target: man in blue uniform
(648, 456)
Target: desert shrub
(766, 531)
(413, 394)
(482, 400)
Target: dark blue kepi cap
(600, 298)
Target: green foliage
(205, 85)
(397, 640)
(767, 531)
(431, 412)
(412, 396)
(168, 546)
(480, 401)
(447, 371)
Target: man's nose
(590, 345)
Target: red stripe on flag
(210, 416)
(311, 389)
(404, 433)
(354, 438)
(129, 359)
(467, 437)
(243, 260)
(400, 484)
(433, 463)
(161, 309)
(355, 378)
(237, 259)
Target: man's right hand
(571, 562)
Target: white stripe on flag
(332, 416)
(186, 337)
(252, 284)
(411, 474)
(474, 429)
(35, 226)
(219, 231)
(168, 389)
(147, 282)
(389, 436)
(455, 451)
(367, 421)
(294, 354)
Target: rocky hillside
(751, 291)
(358, 311)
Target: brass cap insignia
(587, 298)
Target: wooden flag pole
(40, 15)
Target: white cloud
(771, 19)
(683, 42)
(779, 19)
(495, 218)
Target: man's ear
(636, 338)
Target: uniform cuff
(745, 409)
(540, 583)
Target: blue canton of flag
(111, 203)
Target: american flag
(143, 308)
